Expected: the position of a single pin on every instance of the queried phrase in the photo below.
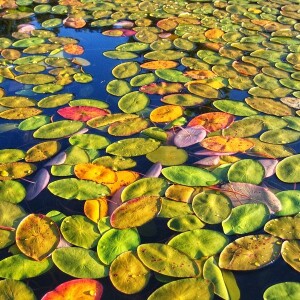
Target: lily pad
(234, 107)
(283, 290)
(166, 113)
(118, 87)
(116, 241)
(289, 252)
(89, 141)
(16, 170)
(199, 242)
(12, 191)
(290, 201)
(19, 113)
(80, 231)
(184, 100)
(11, 155)
(55, 100)
(288, 169)
(35, 78)
(133, 102)
(185, 223)
(162, 88)
(42, 151)
(172, 209)
(172, 75)
(116, 163)
(244, 128)
(203, 90)
(280, 136)
(125, 70)
(260, 250)
(17, 101)
(142, 79)
(15, 289)
(164, 55)
(167, 260)
(34, 122)
(79, 262)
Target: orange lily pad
(96, 209)
(166, 113)
(73, 49)
(159, 64)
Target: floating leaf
(290, 202)
(17, 101)
(167, 260)
(172, 75)
(119, 54)
(190, 176)
(79, 262)
(42, 151)
(234, 107)
(162, 88)
(118, 87)
(133, 46)
(289, 252)
(72, 188)
(12, 191)
(260, 250)
(164, 55)
(55, 100)
(203, 90)
(190, 287)
(119, 241)
(283, 290)
(199, 242)
(211, 207)
(11, 155)
(133, 102)
(171, 209)
(34, 122)
(15, 289)
(159, 64)
(184, 100)
(58, 129)
(19, 113)
(189, 136)
(132, 147)
(166, 113)
(89, 102)
(116, 163)
(84, 288)
(80, 231)
(102, 121)
(125, 70)
(288, 169)
(285, 227)
(16, 170)
(89, 141)
(185, 223)
(96, 209)
(280, 136)
(135, 212)
(128, 127)
(30, 236)
(142, 79)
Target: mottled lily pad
(125, 70)
(133, 102)
(283, 290)
(16, 170)
(288, 169)
(11, 155)
(280, 136)
(89, 141)
(15, 289)
(118, 87)
(289, 252)
(234, 107)
(290, 202)
(42, 151)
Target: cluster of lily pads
(171, 104)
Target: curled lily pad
(289, 252)
(15, 289)
(199, 242)
(260, 250)
(167, 260)
(135, 212)
(79, 262)
(211, 207)
(30, 236)
(80, 231)
(246, 218)
(283, 290)
(284, 227)
(119, 241)
(288, 169)
(133, 147)
(190, 287)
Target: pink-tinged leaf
(63, 243)
(41, 180)
(128, 32)
(242, 193)
(124, 24)
(25, 28)
(81, 113)
(269, 166)
(208, 161)
(189, 136)
(119, 32)
(205, 152)
(115, 201)
(76, 289)
(164, 35)
(74, 22)
(81, 131)
(154, 171)
(59, 159)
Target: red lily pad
(81, 113)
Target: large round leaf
(89, 141)
(125, 70)
(133, 102)
(199, 242)
(128, 274)
(290, 202)
(116, 241)
(79, 262)
(16, 170)
(12, 191)
(190, 176)
(283, 290)
(128, 127)
(15, 289)
(250, 253)
(11, 155)
(288, 169)
(167, 260)
(58, 129)
(37, 236)
(72, 188)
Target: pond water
(236, 62)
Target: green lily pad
(128, 127)
(34, 122)
(128, 274)
(125, 70)
(234, 107)
(15, 289)
(142, 79)
(199, 242)
(118, 87)
(52, 23)
(168, 156)
(290, 202)
(289, 252)
(185, 223)
(203, 90)
(89, 102)
(11, 215)
(211, 207)
(120, 54)
(283, 290)
(270, 122)
(184, 100)
(11, 155)
(102, 121)
(31, 233)
(115, 163)
(23, 43)
(288, 169)
(133, 102)
(260, 251)
(246, 170)
(172, 75)
(80, 231)
(89, 141)
(17, 101)
(83, 77)
(290, 83)
(280, 136)
(12, 191)
(62, 170)
(133, 47)
(73, 188)
(285, 227)
(244, 128)
(16, 170)
(167, 260)
(191, 288)
(20, 267)
(133, 147)
(190, 176)
(47, 88)
(144, 187)
(172, 209)
(55, 100)
(79, 262)
(246, 218)
(116, 241)
(164, 55)
(266, 82)
(135, 212)
(58, 129)
(35, 78)
(240, 82)
(270, 55)
(292, 122)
